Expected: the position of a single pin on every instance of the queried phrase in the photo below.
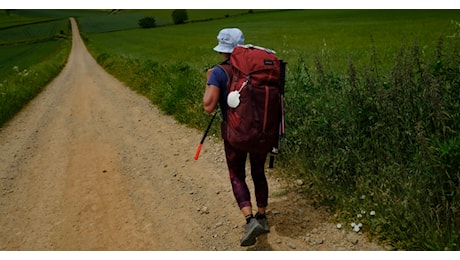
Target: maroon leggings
(236, 162)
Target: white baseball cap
(228, 39)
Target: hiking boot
(251, 231)
(263, 222)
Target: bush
(179, 16)
(147, 22)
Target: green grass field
(27, 41)
(335, 34)
(372, 108)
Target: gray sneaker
(251, 231)
(263, 222)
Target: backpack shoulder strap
(228, 71)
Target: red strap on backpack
(228, 71)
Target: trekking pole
(198, 150)
(282, 132)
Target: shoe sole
(253, 234)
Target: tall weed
(385, 141)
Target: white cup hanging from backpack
(233, 98)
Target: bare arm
(211, 96)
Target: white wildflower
(339, 226)
(356, 228)
(359, 215)
(353, 224)
(372, 213)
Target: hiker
(216, 94)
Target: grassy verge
(175, 87)
(23, 84)
(382, 141)
(32, 53)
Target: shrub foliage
(179, 16)
(147, 22)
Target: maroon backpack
(254, 100)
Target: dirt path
(91, 165)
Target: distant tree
(179, 16)
(147, 22)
